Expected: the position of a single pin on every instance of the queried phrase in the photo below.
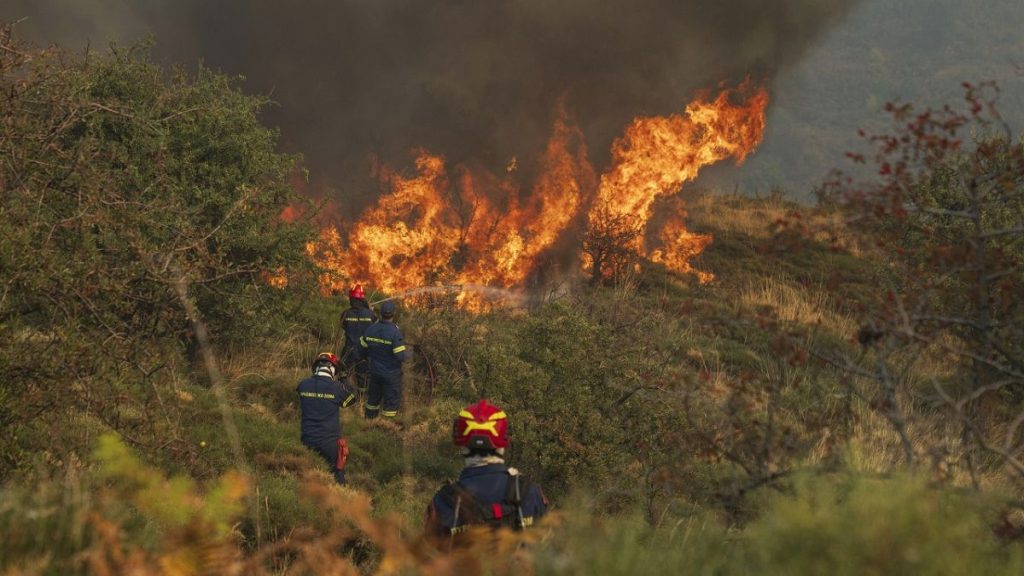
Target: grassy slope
(715, 328)
(702, 340)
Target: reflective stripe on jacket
(385, 348)
(320, 399)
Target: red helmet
(481, 426)
(327, 358)
(357, 292)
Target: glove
(342, 453)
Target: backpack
(469, 511)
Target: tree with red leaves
(945, 213)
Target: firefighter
(487, 492)
(320, 398)
(354, 321)
(385, 350)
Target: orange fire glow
(657, 155)
(679, 247)
(448, 225)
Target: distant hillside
(913, 50)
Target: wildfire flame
(680, 247)
(657, 155)
(449, 225)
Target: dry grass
(287, 358)
(797, 305)
(756, 219)
(717, 384)
(736, 214)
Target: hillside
(842, 397)
(914, 51)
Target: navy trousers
(384, 396)
(362, 376)
(328, 450)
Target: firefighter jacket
(354, 322)
(488, 497)
(320, 398)
(384, 347)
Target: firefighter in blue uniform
(320, 398)
(487, 493)
(354, 321)
(385, 350)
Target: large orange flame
(457, 226)
(657, 155)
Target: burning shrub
(610, 246)
(461, 225)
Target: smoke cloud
(475, 80)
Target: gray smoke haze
(475, 80)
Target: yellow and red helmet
(481, 426)
(327, 358)
(357, 292)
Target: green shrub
(862, 525)
(43, 525)
(282, 509)
(128, 190)
(829, 525)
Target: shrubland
(842, 398)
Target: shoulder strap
(466, 508)
(517, 487)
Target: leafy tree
(946, 216)
(120, 183)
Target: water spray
(512, 295)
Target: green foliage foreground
(144, 522)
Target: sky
(360, 81)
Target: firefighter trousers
(359, 370)
(384, 396)
(362, 376)
(328, 450)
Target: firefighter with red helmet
(488, 492)
(385, 350)
(321, 398)
(354, 321)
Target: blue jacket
(383, 345)
(355, 321)
(320, 399)
(488, 484)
